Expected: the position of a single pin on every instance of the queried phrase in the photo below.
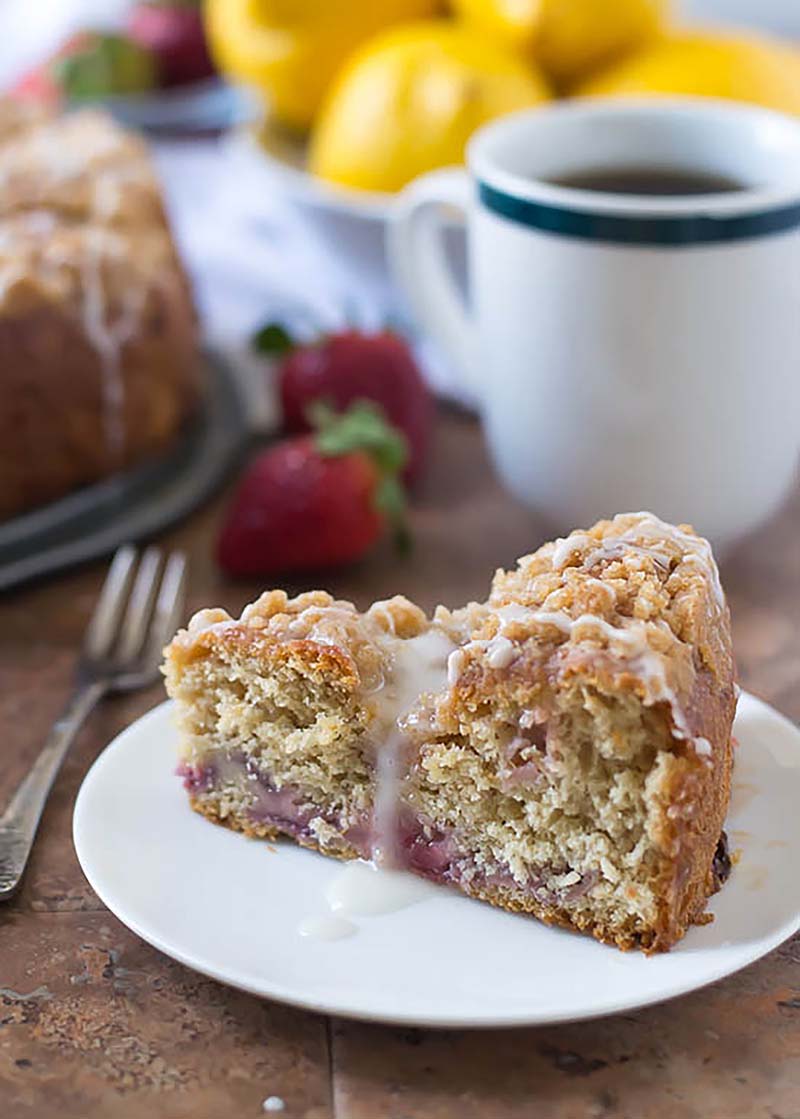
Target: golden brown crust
(695, 802)
(98, 338)
(323, 633)
(631, 605)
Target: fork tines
(140, 607)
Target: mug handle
(417, 258)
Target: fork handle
(19, 821)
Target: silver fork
(139, 609)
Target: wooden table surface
(94, 1024)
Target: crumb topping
(632, 583)
(640, 593)
(635, 567)
(387, 638)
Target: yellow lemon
(569, 38)
(741, 68)
(409, 100)
(290, 49)
(511, 23)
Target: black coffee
(648, 180)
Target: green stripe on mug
(628, 229)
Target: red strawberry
(173, 31)
(348, 366)
(38, 85)
(316, 501)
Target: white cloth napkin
(253, 256)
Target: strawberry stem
(273, 340)
(390, 499)
(364, 427)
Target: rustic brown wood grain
(94, 1024)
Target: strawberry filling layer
(287, 809)
(419, 846)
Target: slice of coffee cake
(562, 749)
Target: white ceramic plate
(230, 907)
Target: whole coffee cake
(98, 337)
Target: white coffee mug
(626, 351)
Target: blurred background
(290, 56)
(281, 131)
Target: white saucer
(230, 907)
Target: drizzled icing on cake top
(415, 657)
(78, 195)
(641, 537)
(646, 537)
(107, 342)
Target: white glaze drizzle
(416, 666)
(646, 662)
(108, 339)
(455, 664)
(381, 610)
(327, 926)
(606, 588)
(565, 547)
(500, 652)
(694, 549)
(364, 889)
(644, 536)
(513, 612)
